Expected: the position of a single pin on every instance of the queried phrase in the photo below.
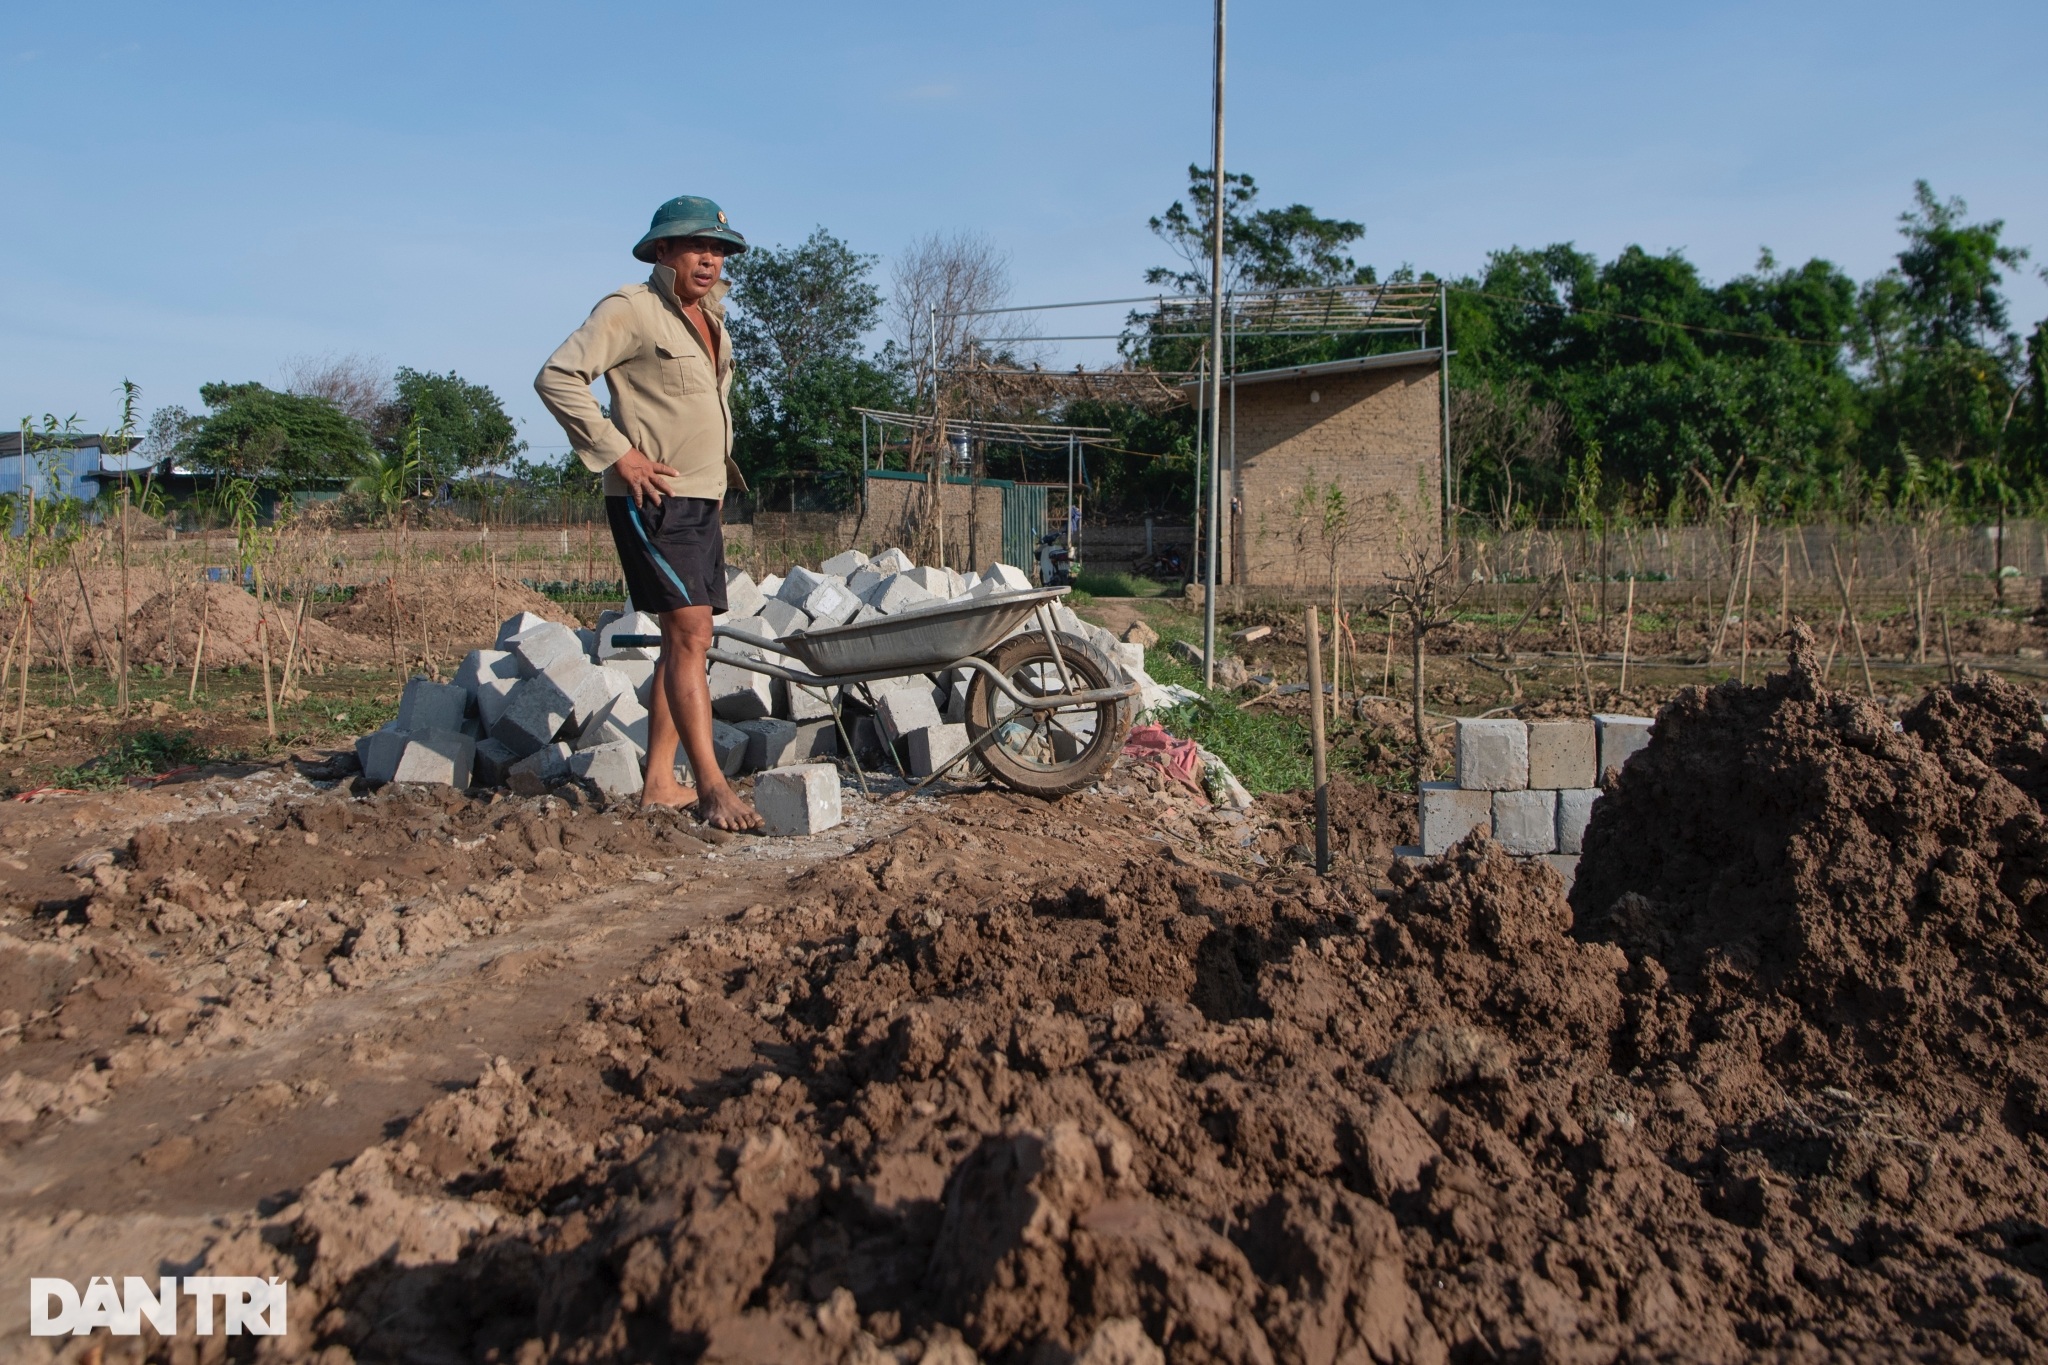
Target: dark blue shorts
(672, 551)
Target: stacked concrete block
(755, 627)
(933, 747)
(612, 770)
(547, 767)
(783, 618)
(845, 564)
(955, 709)
(545, 644)
(1574, 810)
(534, 714)
(514, 626)
(480, 666)
(831, 603)
(794, 701)
(639, 673)
(729, 745)
(771, 586)
(900, 593)
(905, 711)
(743, 597)
(428, 705)
(587, 638)
(769, 741)
(1525, 822)
(623, 720)
(740, 693)
(1619, 737)
(633, 623)
(491, 764)
(378, 753)
(442, 757)
(1493, 755)
(800, 583)
(891, 560)
(799, 800)
(1449, 813)
(1561, 754)
(998, 578)
(864, 615)
(936, 582)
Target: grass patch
(1116, 583)
(1268, 751)
(145, 753)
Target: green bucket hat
(688, 215)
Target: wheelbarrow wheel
(1057, 750)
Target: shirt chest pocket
(683, 369)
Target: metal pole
(1231, 504)
(1195, 517)
(1216, 212)
(1443, 331)
(1318, 752)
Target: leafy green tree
(798, 319)
(285, 439)
(1275, 248)
(462, 427)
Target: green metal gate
(1023, 522)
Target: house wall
(1377, 435)
(973, 516)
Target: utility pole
(1215, 396)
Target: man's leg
(680, 710)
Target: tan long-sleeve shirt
(669, 394)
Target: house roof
(1430, 355)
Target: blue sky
(199, 192)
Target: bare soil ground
(1114, 1079)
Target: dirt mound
(1367, 822)
(166, 632)
(1857, 898)
(927, 1108)
(454, 610)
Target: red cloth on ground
(1179, 759)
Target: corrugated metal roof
(1428, 356)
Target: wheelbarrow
(1047, 711)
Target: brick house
(1371, 428)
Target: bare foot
(723, 809)
(666, 791)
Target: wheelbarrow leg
(895, 762)
(846, 745)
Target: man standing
(666, 455)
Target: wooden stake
(1628, 625)
(263, 644)
(199, 650)
(1748, 583)
(291, 653)
(1855, 628)
(1734, 582)
(1948, 650)
(1315, 733)
(1387, 674)
(1578, 646)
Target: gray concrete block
(799, 703)
(955, 710)
(518, 625)
(933, 747)
(891, 560)
(816, 739)
(870, 750)
(740, 694)
(1565, 865)
(612, 769)
(800, 583)
(729, 743)
(428, 705)
(1574, 809)
(1619, 737)
(1493, 755)
(905, 711)
(492, 764)
(473, 727)
(1525, 822)
(899, 593)
(638, 673)
(769, 741)
(863, 582)
(378, 753)
(545, 644)
(998, 578)
(771, 585)
(799, 800)
(588, 639)
(622, 720)
(831, 603)
(437, 756)
(607, 616)
(1561, 754)
(935, 581)
(969, 581)
(538, 771)
(1129, 657)
(534, 714)
(754, 628)
(586, 686)
(634, 623)
(845, 563)
(1449, 813)
(492, 696)
(481, 665)
(783, 618)
(743, 597)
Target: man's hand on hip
(642, 476)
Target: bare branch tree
(359, 385)
(1426, 589)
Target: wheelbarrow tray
(917, 640)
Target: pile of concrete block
(1530, 785)
(552, 703)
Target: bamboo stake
(1948, 650)
(1387, 673)
(291, 653)
(263, 644)
(199, 650)
(1784, 582)
(1856, 628)
(1578, 646)
(1628, 625)
(1748, 584)
(1315, 731)
(1734, 581)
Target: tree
(255, 432)
(1284, 248)
(357, 384)
(799, 316)
(462, 427)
